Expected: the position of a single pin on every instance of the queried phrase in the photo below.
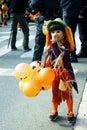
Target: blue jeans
(39, 39)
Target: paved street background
(18, 112)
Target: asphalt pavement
(18, 112)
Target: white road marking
(6, 72)
(5, 49)
(27, 54)
(3, 38)
(5, 32)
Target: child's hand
(47, 48)
(59, 61)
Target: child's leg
(55, 96)
(70, 104)
(54, 113)
(54, 108)
(70, 109)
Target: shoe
(73, 59)
(13, 48)
(53, 117)
(71, 117)
(27, 49)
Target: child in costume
(59, 43)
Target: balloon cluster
(33, 78)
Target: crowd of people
(70, 14)
(69, 11)
(73, 13)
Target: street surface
(18, 112)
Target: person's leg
(39, 40)
(82, 28)
(13, 31)
(25, 29)
(69, 103)
(72, 23)
(56, 99)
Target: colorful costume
(65, 72)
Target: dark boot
(73, 57)
(83, 52)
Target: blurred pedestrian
(70, 11)
(5, 13)
(49, 9)
(82, 28)
(1, 19)
(17, 10)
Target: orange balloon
(23, 72)
(46, 75)
(31, 88)
(46, 86)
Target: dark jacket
(71, 6)
(83, 10)
(44, 6)
(17, 6)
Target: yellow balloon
(31, 88)
(23, 72)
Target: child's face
(57, 35)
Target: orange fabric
(70, 38)
(59, 96)
(48, 38)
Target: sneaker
(71, 117)
(73, 57)
(13, 48)
(27, 49)
(53, 117)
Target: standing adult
(49, 9)
(70, 12)
(82, 28)
(17, 10)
